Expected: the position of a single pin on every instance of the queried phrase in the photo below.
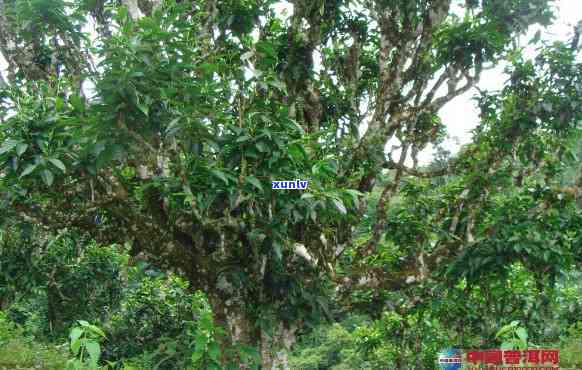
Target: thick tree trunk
(237, 327)
(275, 347)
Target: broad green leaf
(47, 177)
(94, 350)
(76, 346)
(243, 138)
(105, 156)
(255, 182)
(296, 152)
(28, 170)
(354, 193)
(8, 146)
(220, 175)
(143, 107)
(313, 215)
(57, 163)
(173, 126)
(506, 329)
(20, 149)
(75, 334)
(96, 330)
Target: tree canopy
(159, 126)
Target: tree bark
(276, 346)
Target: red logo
(541, 358)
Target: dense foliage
(139, 140)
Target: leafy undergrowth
(571, 351)
(18, 352)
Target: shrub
(330, 347)
(83, 281)
(151, 318)
(85, 345)
(571, 351)
(18, 351)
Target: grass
(18, 352)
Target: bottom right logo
(498, 359)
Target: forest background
(139, 140)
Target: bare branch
(438, 103)
(416, 173)
(447, 73)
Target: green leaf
(209, 67)
(201, 342)
(522, 334)
(47, 177)
(506, 329)
(143, 108)
(75, 334)
(105, 156)
(214, 352)
(21, 148)
(340, 206)
(196, 356)
(28, 170)
(277, 250)
(94, 350)
(77, 102)
(76, 346)
(507, 345)
(243, 138)
(58, 103)
(296, 152)
(220, 175)
(96, 330)
(255, 182)
(58, 164)
(354, 194)
(261, 147)
(173, 127)
(8, 146)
